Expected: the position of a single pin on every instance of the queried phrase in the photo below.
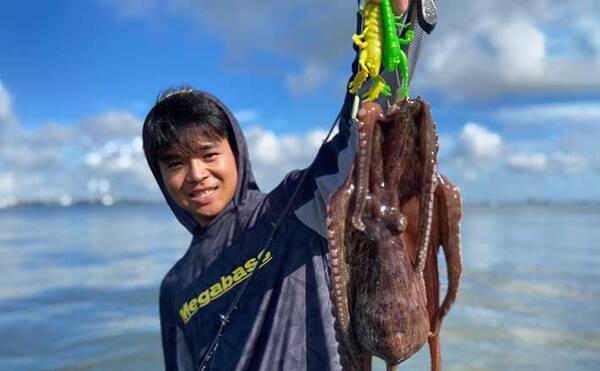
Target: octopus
(385, 226)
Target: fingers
(400, 6)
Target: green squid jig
(393, 55)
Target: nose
(197, 171)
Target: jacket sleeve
(325, 175)
(175, 350)
(330, 167)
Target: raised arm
(334, 160)
(332, 163)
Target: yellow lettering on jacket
(215, 291)
(226, 282)
(204, 298)
(239, 274)
(250, 264)
(222, 286)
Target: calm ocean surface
(79, 289)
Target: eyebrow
(206, 146)
(199, 147)
(168, 158)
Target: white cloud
(122, 162)
(57, 160)
(265, 146)
(586, 113)
(112, 125)
(8, 183)
(117, 169)
(6, 111)
(98, 185)
(102, 158)
(487, 48)
(479, 48)
(312, 33)
(476, 151)
(587, 26)
(308, 80)
(93, 159)
(521, 50)
(532, 161)
(21, 155)
(23, 150)
(573, 163)
(246, 115)
(477, 144)
(553, 163)
(274, 155)
(53, 133)
(570, 140)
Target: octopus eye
(402, 223)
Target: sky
(514, 88)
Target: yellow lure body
(369, 43)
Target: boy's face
(202, 184)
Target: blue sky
(514, 88)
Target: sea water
(79, 288)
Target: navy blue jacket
(284, 319)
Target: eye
(211, 155)
(174, 164)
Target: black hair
(178, 118)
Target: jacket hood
(246, 183)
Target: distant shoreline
(467, 204)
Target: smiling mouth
(204, 195)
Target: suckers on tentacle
(385, 225)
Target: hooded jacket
(284, 319)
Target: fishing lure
(369, 43)
(378, 86)
(393, 55)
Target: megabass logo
(222, 286)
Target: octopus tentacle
(451, 213)
(377, 183)
(428, 149)
(432, 284)
(337, 208)
(367, 116)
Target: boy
(199, 158)
(283, 321)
